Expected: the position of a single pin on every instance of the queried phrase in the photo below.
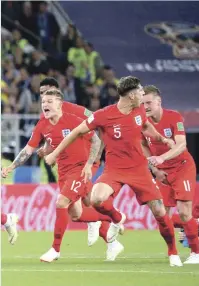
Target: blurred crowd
(42, 49)
(83, 77)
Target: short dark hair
(55, 92)
(51, 81)
(151, 89)
(127, 84)
(107, 67)
(70, 65)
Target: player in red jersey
(176, 167)
(53, 128)
(9, 221)
(68, 107)
(93, 227)
(121, 125)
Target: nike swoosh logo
(45, 135)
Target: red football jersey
(75, 154)
(121, 135)
(170, 125)
(78, 110)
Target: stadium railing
(13, 127)
(6, 19)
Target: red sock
(89, 214)
(191, 231)
(60, 227)
(107, 208)
(167, 231)
(177, 222)
(3, 219)
(103, 230)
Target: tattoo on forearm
(99, 155)
(94, 149)
(21, 158)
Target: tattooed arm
(94, 149)
(99, 155)
(21, 158)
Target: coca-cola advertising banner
(35, 206)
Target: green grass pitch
(143, 262)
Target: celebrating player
(94, 228)
(121, 125)
(53, 127)
(176, 167)
(9, 221)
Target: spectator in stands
(18, 41)
(23, 101)
(13, 97)
(28, 20)
(9, 71)
(68, 41)
(28, 100)
(23, 79)
(5, 45)
(68, 92)
(94, 62)
(48, 28)
(11, 9)
(35, 94)
(111, 96)
(94, 104)
(74, 86)
(108, 76)
(108, 79)
(39, 64)
(92, 96)
(4, 93)
(77, 56)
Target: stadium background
(155, 41)
(87, 50)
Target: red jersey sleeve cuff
(91, 126)
(31, 144)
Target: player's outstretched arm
(99, 155)
(178, 148)
(147, 154)
(94, 149)
(149, 129)
(160, 175)
(93, 154)
(69, 139)
(21, 158)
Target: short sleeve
(77, 110)
(178, 124)
(36, 136)
(96, 119)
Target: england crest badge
(167, 132)
(138, 120)
(65, 132)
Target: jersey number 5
(117, 131)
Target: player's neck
(157, 117)
(56, 118)
(125, 106)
